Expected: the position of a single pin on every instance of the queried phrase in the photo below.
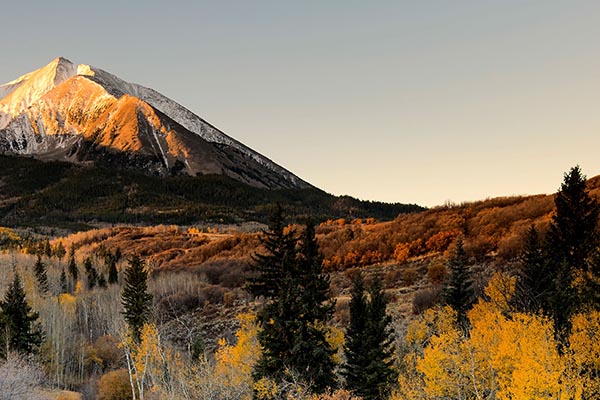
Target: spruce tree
(64, 287)
(273, 273)
(573, 235)
(91, 274)
(113, 274)
(101, 281)
(41, 275)
(60, 251)
(459, 293)
(535, 278)
(277, 258)
(312, 356)
(369, 369)
(297, 308)
(572, 242)
(19, 329)
(136, 299)
(357, 359)
(73, 269)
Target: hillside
(198, 275)
(58, 194)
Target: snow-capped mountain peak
(82, 113)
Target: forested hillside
(54, 194)
(496, 299)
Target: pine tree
(312, 356)
(73, 269)
(297, 308)
(535, 278)
(91, 274)
(572, 242)
(273, 272)
(60, 251)
(64, 287)
(135, 297)
(41, 275)
(101, 281)
(19, 330)
(369, 370)
(47, 248)
(459, 293)
(357, 359)
(278, 257)
(573, 233)
(113, 274)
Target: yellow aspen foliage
(265, 389)
(434, 321)
(78, 288)
(234, 363)
(68, 302)
(335, 338)
(443, 366)
(516, 357)
(500, 290)
(339, 394)
(504, 356)
(584, 354)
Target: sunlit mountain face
(82, 114)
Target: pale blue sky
(421, 101)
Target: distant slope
(36, 193)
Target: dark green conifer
(297, 308)
(573, 235)
(101, 280)
(369, 369)
(64, 287)
(19, 330)
(572, 242)
(459, 293)
(41, 275)
(312, 356)
(273, 271)
(357, 358)
(136, 299)
(91, 274)
(113, 274)
(60, 251)
(535, 279)
(73, 269)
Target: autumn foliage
(506, 354)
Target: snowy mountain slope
(81, 113)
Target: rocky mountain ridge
(82, 114)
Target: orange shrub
(437, 273)
(114, 385)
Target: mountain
(82, 114)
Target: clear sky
(409, 101)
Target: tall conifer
(135, 297)
(535, 279)
(459, 293)
(572, 242)
(369, 369)
(19, 329)
(41, 275)
(290, 280)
